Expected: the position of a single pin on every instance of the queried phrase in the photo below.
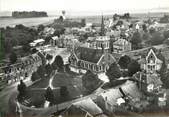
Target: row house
(121, 45)
(26, 66)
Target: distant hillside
(26, 14)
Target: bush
(49, 95)
(35, 76)
(90, 81)
(13, 57)
(133, 67)
(21, 89)
(113, 72)
(58, 63)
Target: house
(67, 41)
(121, 45)
(48, 31)
(84, 108)
(151, 62)
(95, 60)
(54, 41)
(125, 95)
(98, 42)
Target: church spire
(102, 33)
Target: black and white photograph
(84, 58)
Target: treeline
(26, 14)
(164, 19)
(17, 36)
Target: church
(93, 56)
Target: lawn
(43, 83)
(73, 83)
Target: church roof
(87, 54)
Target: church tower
(102, 32)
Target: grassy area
(43, 83)
(72, 81)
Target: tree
(144, 28)
(49, 69)
(49, 95)
(113, 72)
(64, 91)
(165, 79)
(90, 81)
(41, 28)
(59, 31)
(126, 16)
(120, 22)
(166, 34)
(26, 48)
(146, 36)
(83, 22)
(41, 71)
(35, 76)
(21, 89)
(49, 57)
(47, 39)
(157, 38)
(58, 63)
(166, 41)
(67, 69)
(133, 67)
(13, 57)
(164, 19)
(152, 30)
(34, 50)
(136, 40)
(124, 61)
(83, 37)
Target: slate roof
(111, 96)
(87, 54)
(130, 88)
(89, 106)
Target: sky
(82, 5)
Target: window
(100, 68)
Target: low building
(38, 42)
(121, 45)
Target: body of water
(25, 21)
